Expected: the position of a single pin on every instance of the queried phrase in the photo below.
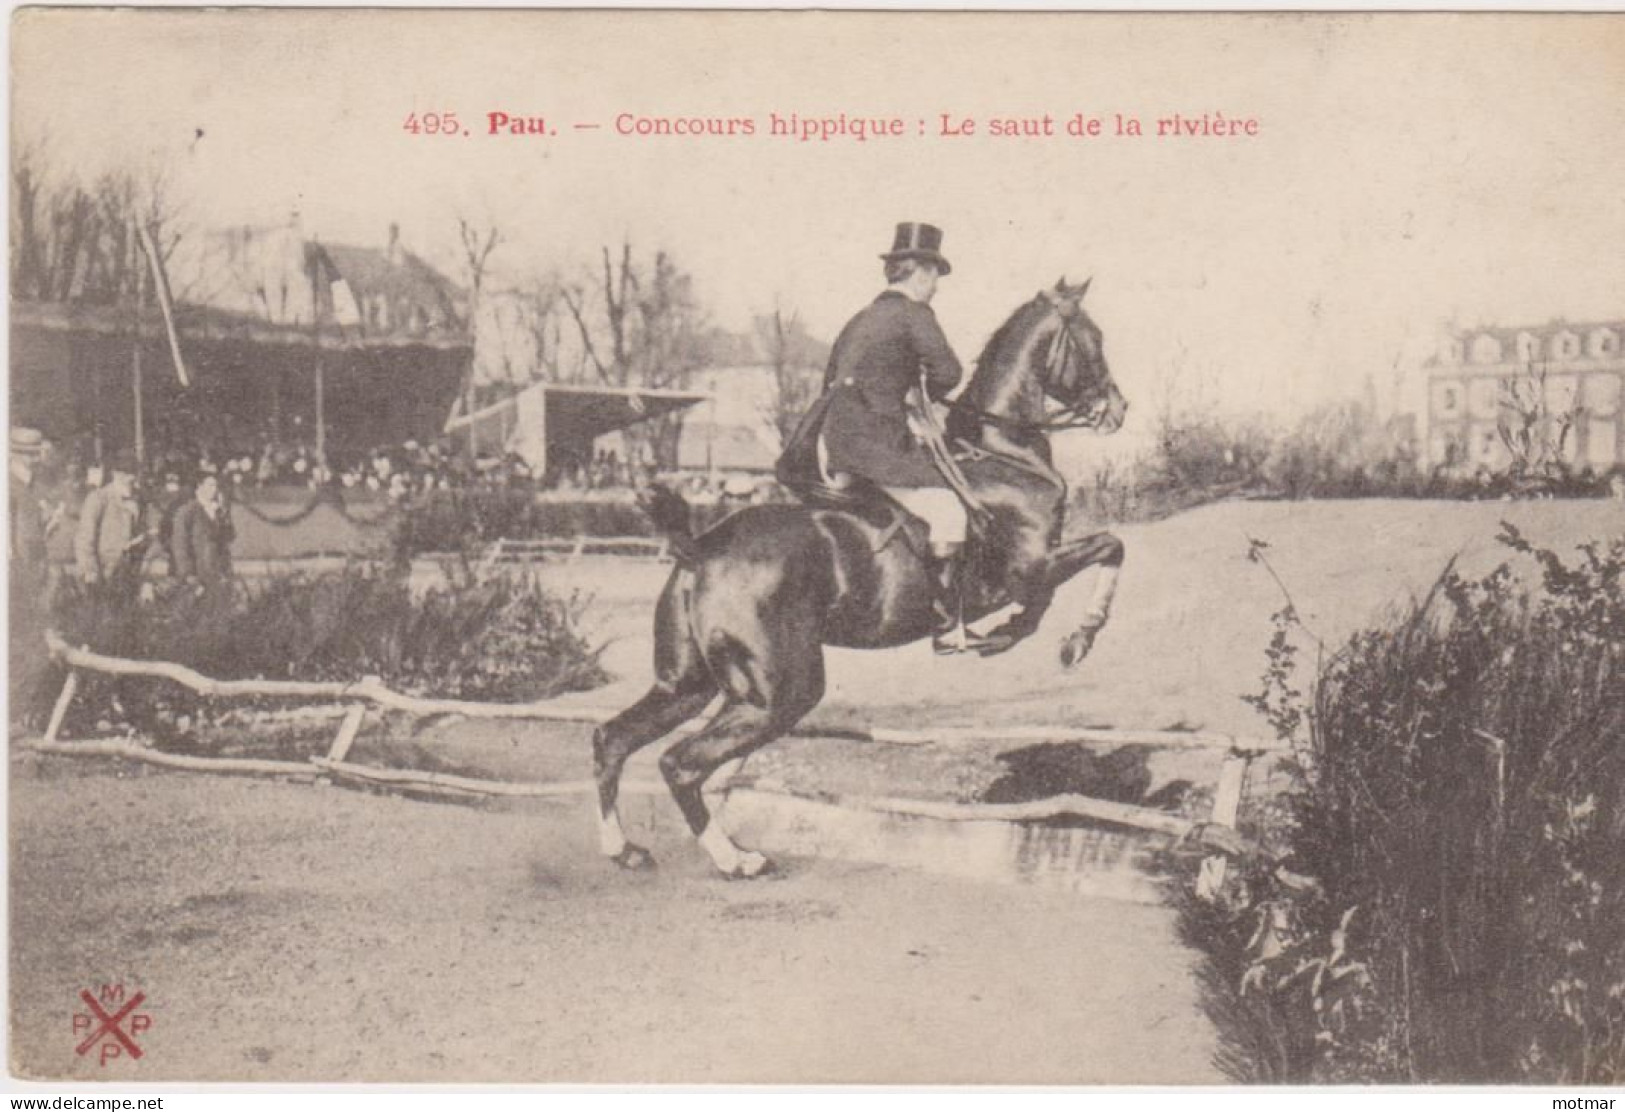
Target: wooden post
(315, 261)
(135, 371)
(547, 477)
(348, 729)
(1226, 806)
(60, 711)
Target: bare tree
(640, 327)
(797, 363)
(603, 334)
(1534, 426)
(70, 242)
(476, 245)
(524, 339)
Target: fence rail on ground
(348, 702)
(509, 551)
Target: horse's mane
(1001, 336)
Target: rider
(878, 358)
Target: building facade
(1549, 393)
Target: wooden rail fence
(1218, 833)
(505, 551)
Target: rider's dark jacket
(877, 359)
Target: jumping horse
(753, 600)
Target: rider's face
(925, 279)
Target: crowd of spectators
(121, 518)
(121, 530)
(394, 472)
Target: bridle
(1064, 350)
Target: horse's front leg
(1034, 587)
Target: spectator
(29, 563)
(106, 548)
(30, 580)
(202, 536)
(169, 504)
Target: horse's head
(1045, 370)
(1074, 371)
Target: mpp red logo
(112, 1034)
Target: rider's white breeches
(941, 509)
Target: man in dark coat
(201, 536)
(30, 580)
(30, 565)
(883, 354)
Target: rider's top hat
(918, 241)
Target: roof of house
(1507, 338)
(206, 322)
(371, 272)
(1509, 335)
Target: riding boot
(948, 633)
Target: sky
(1408, 171)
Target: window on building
(1488, 448)
(1486, 349)
(1528, 347)
(1603, 343)
(1602, 442)
(1447, 400)
(1445, 448)
(1562, 393)
(1566, 345)
(1602, 394)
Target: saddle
(801, 472)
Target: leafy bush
(1340, 451)
(1119, 494)
(502, 639)
(1337, 451)
(1461, 802)
(1209, 452)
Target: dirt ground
(295, 933)
(290, 932)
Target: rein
(936, 442)
(1063, 348)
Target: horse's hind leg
(738, 730)
(683, 690)
(652, 717)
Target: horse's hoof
(751, 866)
(1076, 646)
(634, 859)
(994, 644)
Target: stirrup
(949, 642)
(963, 639)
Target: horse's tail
(670, 513)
